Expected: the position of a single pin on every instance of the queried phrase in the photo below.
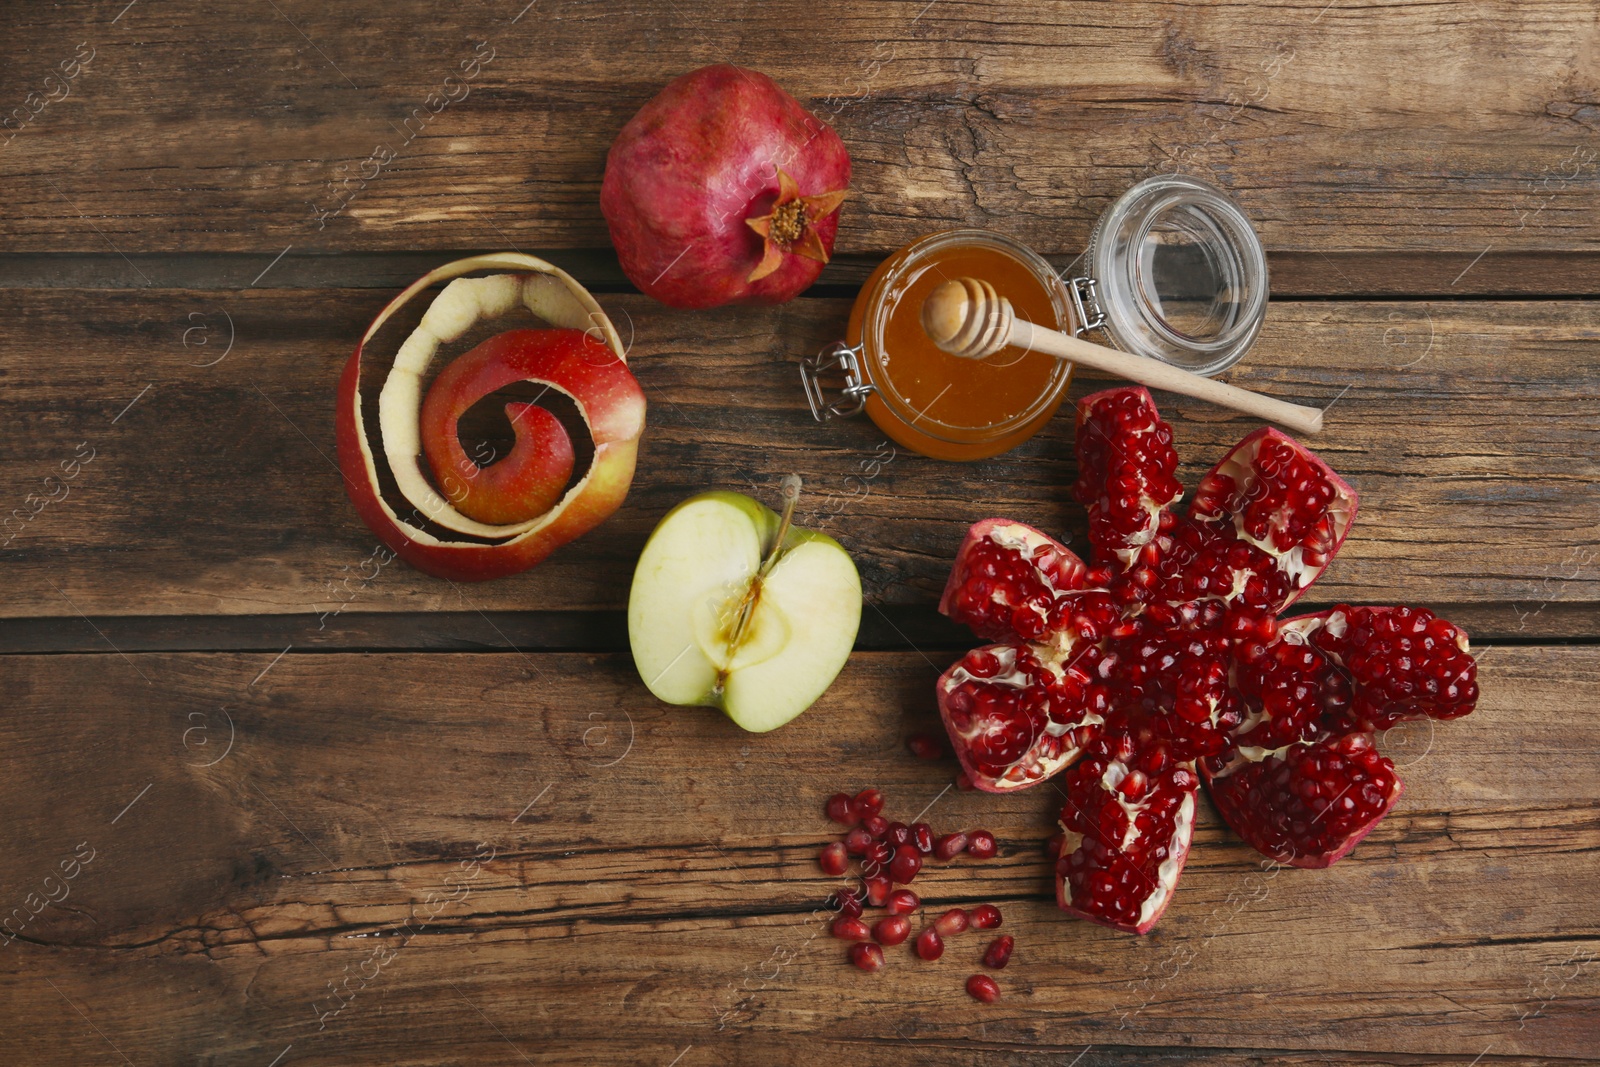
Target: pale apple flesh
(710, 627)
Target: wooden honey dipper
(967, 318)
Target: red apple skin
(612, 403)
(527, 481)
(695, 162)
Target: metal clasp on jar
(1085, 306)
(835, 357)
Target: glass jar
(929, 400)
(1175, 272)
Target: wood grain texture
(1471, 430)
(1341, 128)
(653, 886)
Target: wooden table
(275, 769)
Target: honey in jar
(931, 401)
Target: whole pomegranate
(723, 189)
(1165, 666)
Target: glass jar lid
(1175, 272)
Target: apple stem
(791, 494)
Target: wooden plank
(1347, 129)
(1379, 274)
(653, 881)
(1471, 430)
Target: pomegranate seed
(856, 841)
(876, 826)
(841, 809)
(925, 746)
(963, 783)
(892, 929)
(903, 902)
(982, 987)
(906, 863)
(875, 855)
(846, 929)
(922, 837)
(950, 846)
(981, 845)
(833, 859)
(952, 922)
(878, 890)
(1052, 847)
(847, 901)
(999, 953)
(867, 956)
(985, 916)
(899, 834)
(930, 946)
(868, 802)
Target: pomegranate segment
(1006, 578)
(1015, 715)
(1274, 496)
(1403, 663)
(1127, 472)
(1308, 804)
(1126, 831)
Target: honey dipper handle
(967, 318)
(1164, 376)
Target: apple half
(733, 607)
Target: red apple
(422, 527)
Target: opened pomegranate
(723, 189)
(1165, 664)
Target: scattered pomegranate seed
(981, 987)
(930, 946)
(848, 901)
(985, 916)
(922, 837)
(952, 922)
(856, 841)
(874, 856)
(878, 890)
(925, 746)
(846, 929)
(867, 956)
(999, 953)
(892, 929)
(903, 902)
(899, 834)
(981, 845)
(833, 859)
(875, 825)
(868, 802)
(842, 810)
(963, 783)
(906, 863)
(950, 846)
